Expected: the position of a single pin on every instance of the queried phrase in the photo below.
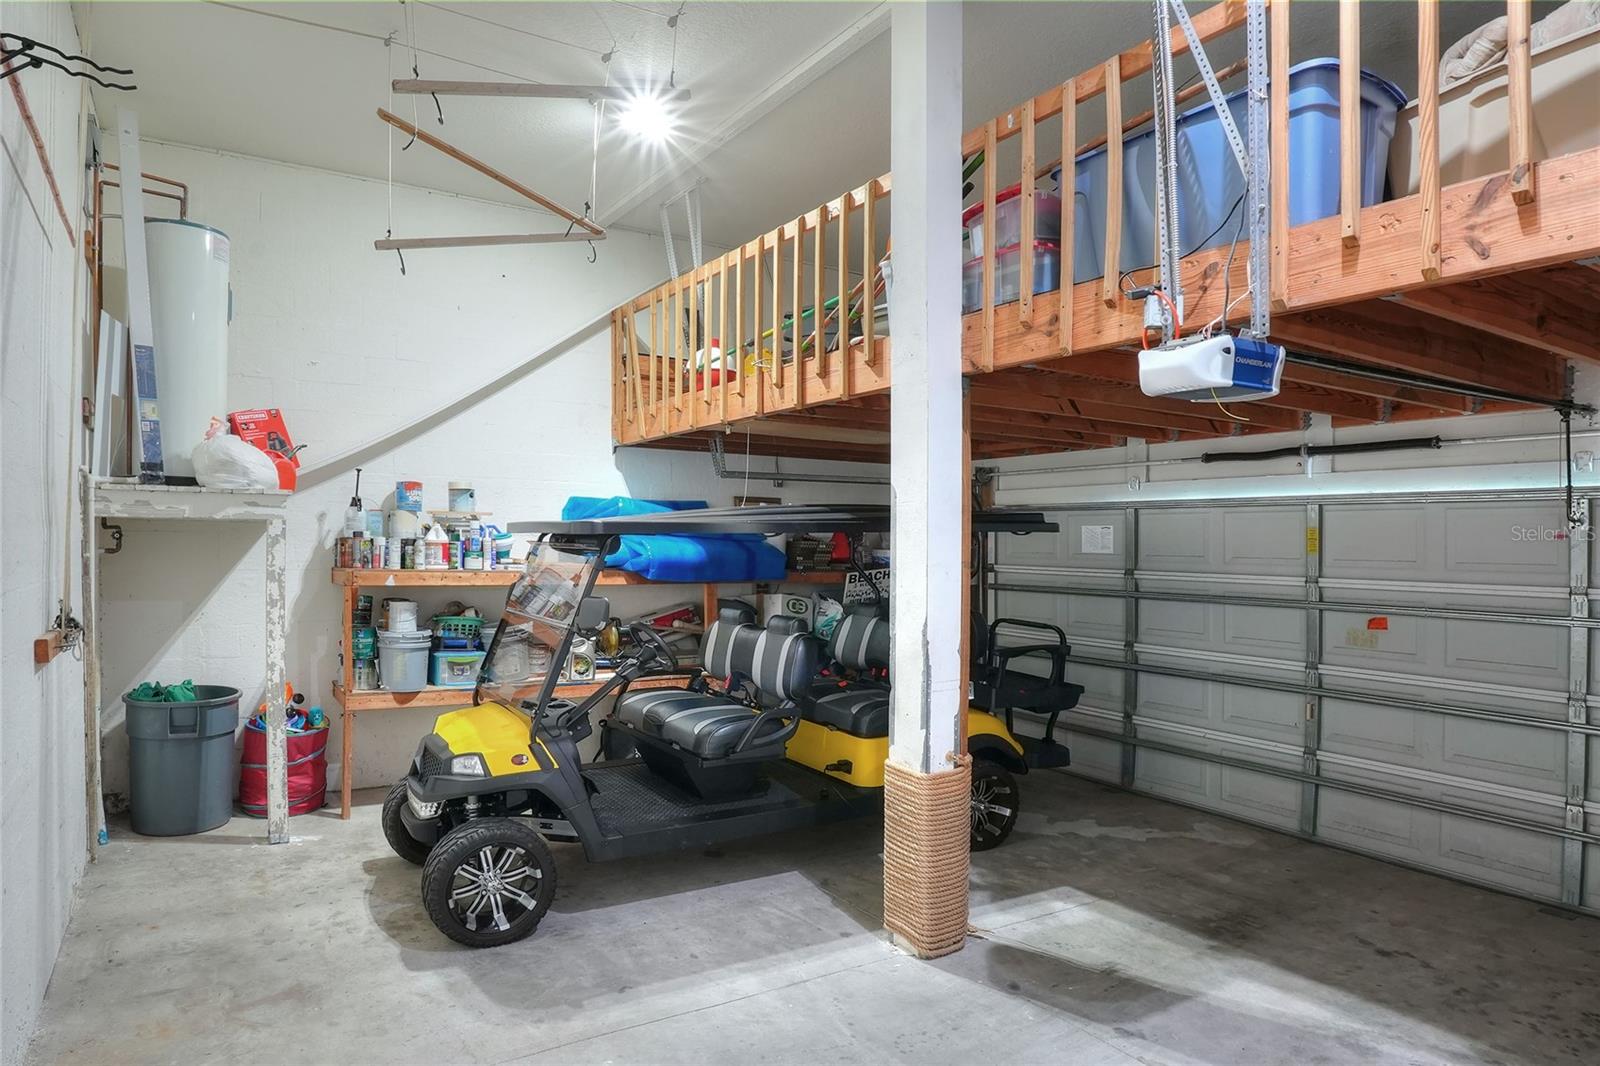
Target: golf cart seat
(860, 707)
(999, 686)
(682, 734)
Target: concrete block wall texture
(327, 329)
(42, 803)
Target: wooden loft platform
(1486, 286)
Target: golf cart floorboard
(639, 812)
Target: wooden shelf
(503, 578)
(441, 578)
(440, 696)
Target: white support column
(925, 402)
(277, 645)
(926, 801)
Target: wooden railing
(793, 338)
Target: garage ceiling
(789, 101)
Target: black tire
(513, 908)
(395, 832)
(995, 803)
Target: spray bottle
(355, 516)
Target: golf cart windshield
(531, 642)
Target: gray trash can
(180, 762)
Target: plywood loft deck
(1490, 283)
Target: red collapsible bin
(308, 771)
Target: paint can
(462, 499)
(408, 496)
(365, 672)
(404, 524)
(399, 615)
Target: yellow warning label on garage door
(1313, 540)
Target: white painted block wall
(328, 330)
(42, 819)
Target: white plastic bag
(223, 461)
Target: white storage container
(1474, 118)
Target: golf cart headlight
(468, 766)
(422, 808)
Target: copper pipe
(183, 201)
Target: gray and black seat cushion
(860, 643)
(710, 725)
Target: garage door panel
(1494, 653)
(1387, 734)
(1494, 650)
(1036, 549)
(1095, 757)
(1260, 797)
(1375, 642)
(1174, 622)
(1486, 543)
(1102, 685)
(1380, 825)
(1520, 756)
(1513, 858)
(1181, 777)
(1591, 876)
(1360, 540)
(1277, 716)
(1175, 540)
(1593, 792)
(1096, 539)
(1263, 541)
(1098, 617)
(1175, 699)
(1247, 629)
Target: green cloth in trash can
(155, 692)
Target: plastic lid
(976, 210)
(1012, 249)
(401, 636)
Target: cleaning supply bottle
(355, 516)
(436, 544)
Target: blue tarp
(726, 557)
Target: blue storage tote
(456, 669)
(1209, 181)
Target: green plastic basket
(455, 625)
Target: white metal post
(926, 469)
(927, 778)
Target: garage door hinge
(1575, 817)
(1311, 711)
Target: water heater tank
(189, 309)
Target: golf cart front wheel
(994, 804)
(488, 882)
(395, 832)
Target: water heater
(189, 309)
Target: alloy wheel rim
(495, 887)
(986, 809)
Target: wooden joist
(1556, 309)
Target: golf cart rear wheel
(400, 839)
(488, 882)
(994, 804)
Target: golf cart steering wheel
(647, 638)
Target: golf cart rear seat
(682, 734)
(860, 707)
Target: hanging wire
(672, 24)
(388, 232)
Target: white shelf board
(126, 498)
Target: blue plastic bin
(1209, 181)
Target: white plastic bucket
(401, 615)
(403, 660)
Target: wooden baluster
(869, 273)
(1110, 292)
(1069, 206)
(1428, 133)
(819, 336)
(991, 164)
(616, 376)
(738, 325)
(758, 277)
(1278, 152)
(846, 364)
(1519, 97)
(1349, 122)
(794, 326)
(693, 360)
(1029, 154)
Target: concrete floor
(1110, 929)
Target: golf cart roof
(770, 521)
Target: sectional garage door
(1404, 677)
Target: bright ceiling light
(647, 116)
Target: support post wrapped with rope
(926, 825)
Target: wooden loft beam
(1484, 233)
(1556, 309)
(1382, 332)
(1441, 403)
(1123, 393)
(1015, 425)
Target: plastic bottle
(355, 517)
(436, 543)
